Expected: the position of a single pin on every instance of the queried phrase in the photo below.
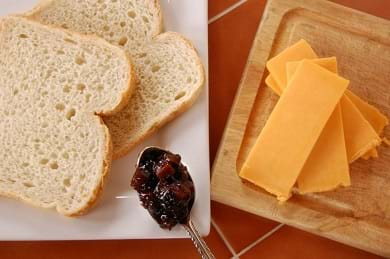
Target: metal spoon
(145, 157)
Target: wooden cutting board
(358, 215)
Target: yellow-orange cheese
(270, 81)
(376, 119)
(357, 139)
(327, 63)
(327, 166)
(277, 65)
(356, 125)
(293, 128)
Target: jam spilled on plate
(164, 186)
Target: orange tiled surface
(215, 7)
(239, 229)
(292, 243)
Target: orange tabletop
(234, 233)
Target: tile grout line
(264, 237)
(224, 239)
(226, 11)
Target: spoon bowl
(166, 190)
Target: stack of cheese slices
(317, 128)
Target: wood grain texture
(359, 215)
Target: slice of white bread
(55, 150)
(168, 68)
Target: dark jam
(164, 186)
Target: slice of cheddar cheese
(270, 81)
(376, 120)
(327, 166)
(277, 65)
(327, 63)
(294, 126)
(356, 125)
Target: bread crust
(107, 163)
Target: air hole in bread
(145, 19)
(81, 87)
(54, 165)
(16, 91)
(65, 155)
(66, 182)
(65, 26)
(70, 41)
(111, 34)
(48, 74)
(60, 106)
(82, 176)
(66, 89)
(122, 24)
(100, 88)
(123, 41)
(45, 125)
(25, 164)
(53, 155)
(41, 105)
(155, 68)
(87, 98)
(44, 161)
(189, 80)
(106, 28)
(181, 68)
(23, 36)
(131, 14)
(180, 95)
(79, 60)
(28, 184)
(11, 180)
(44, 93)
(70, 114)
(36, 146)
(60, 52)
(142, 55)
(147, 62)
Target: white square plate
(118, 214)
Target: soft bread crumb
(168, 68)
(55, 150)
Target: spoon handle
(199, 242)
